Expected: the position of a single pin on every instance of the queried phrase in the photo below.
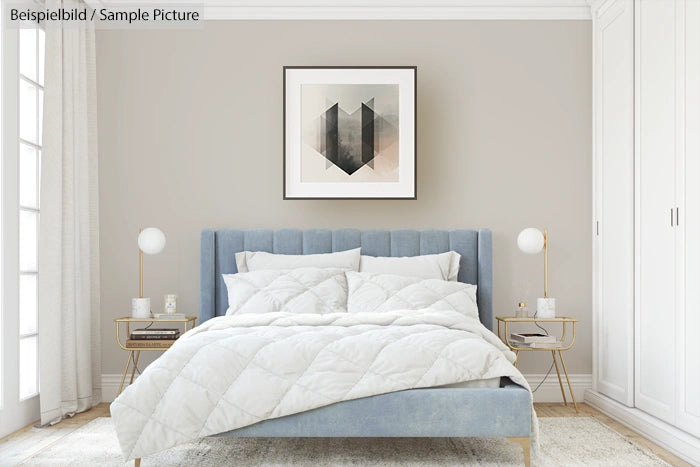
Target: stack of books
(155, 333)
(534, 340)
(153, 337)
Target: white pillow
(304, 290)
(389, 292)
(443, 266)
(248, 261)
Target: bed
(503, 411)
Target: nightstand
(135, 347)
(566, 323)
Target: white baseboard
(110, 386)
(548, 392)
(672, 439)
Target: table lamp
(532, 241)
(151, 241)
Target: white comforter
(235, 371)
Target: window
(21, 124)
(31, 99)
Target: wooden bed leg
(525, 444)
(137, 462)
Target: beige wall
(190, 136)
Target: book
(546, 345)
(169, 315)
(143, 343)
(526, 338)
(155, 336)
(536, 345)
(164, 331)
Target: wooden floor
(29, 440)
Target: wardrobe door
(688, 350)
(613, 283)
(656, 119)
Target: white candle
(170, 301)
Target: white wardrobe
(646, 226)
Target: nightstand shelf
(566, 344)
(135, 346)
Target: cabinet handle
(597, 230)
(671, 217)
(678, 222)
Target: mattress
(490, 383)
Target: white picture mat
(405, 78)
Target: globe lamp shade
(151, 241)
(531, 241)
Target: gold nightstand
(556, 350)
(136, 347)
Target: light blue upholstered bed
(432, 412)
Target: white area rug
(564, 442)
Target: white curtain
(69, 292)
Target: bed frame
(434, 412)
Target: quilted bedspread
(237, 370)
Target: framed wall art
(349, 132)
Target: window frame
(35, 210)
(15, 411)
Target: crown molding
(374, 10)
(598, 7)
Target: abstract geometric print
(352, 127)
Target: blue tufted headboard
(218, 248)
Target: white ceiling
(374, 9)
